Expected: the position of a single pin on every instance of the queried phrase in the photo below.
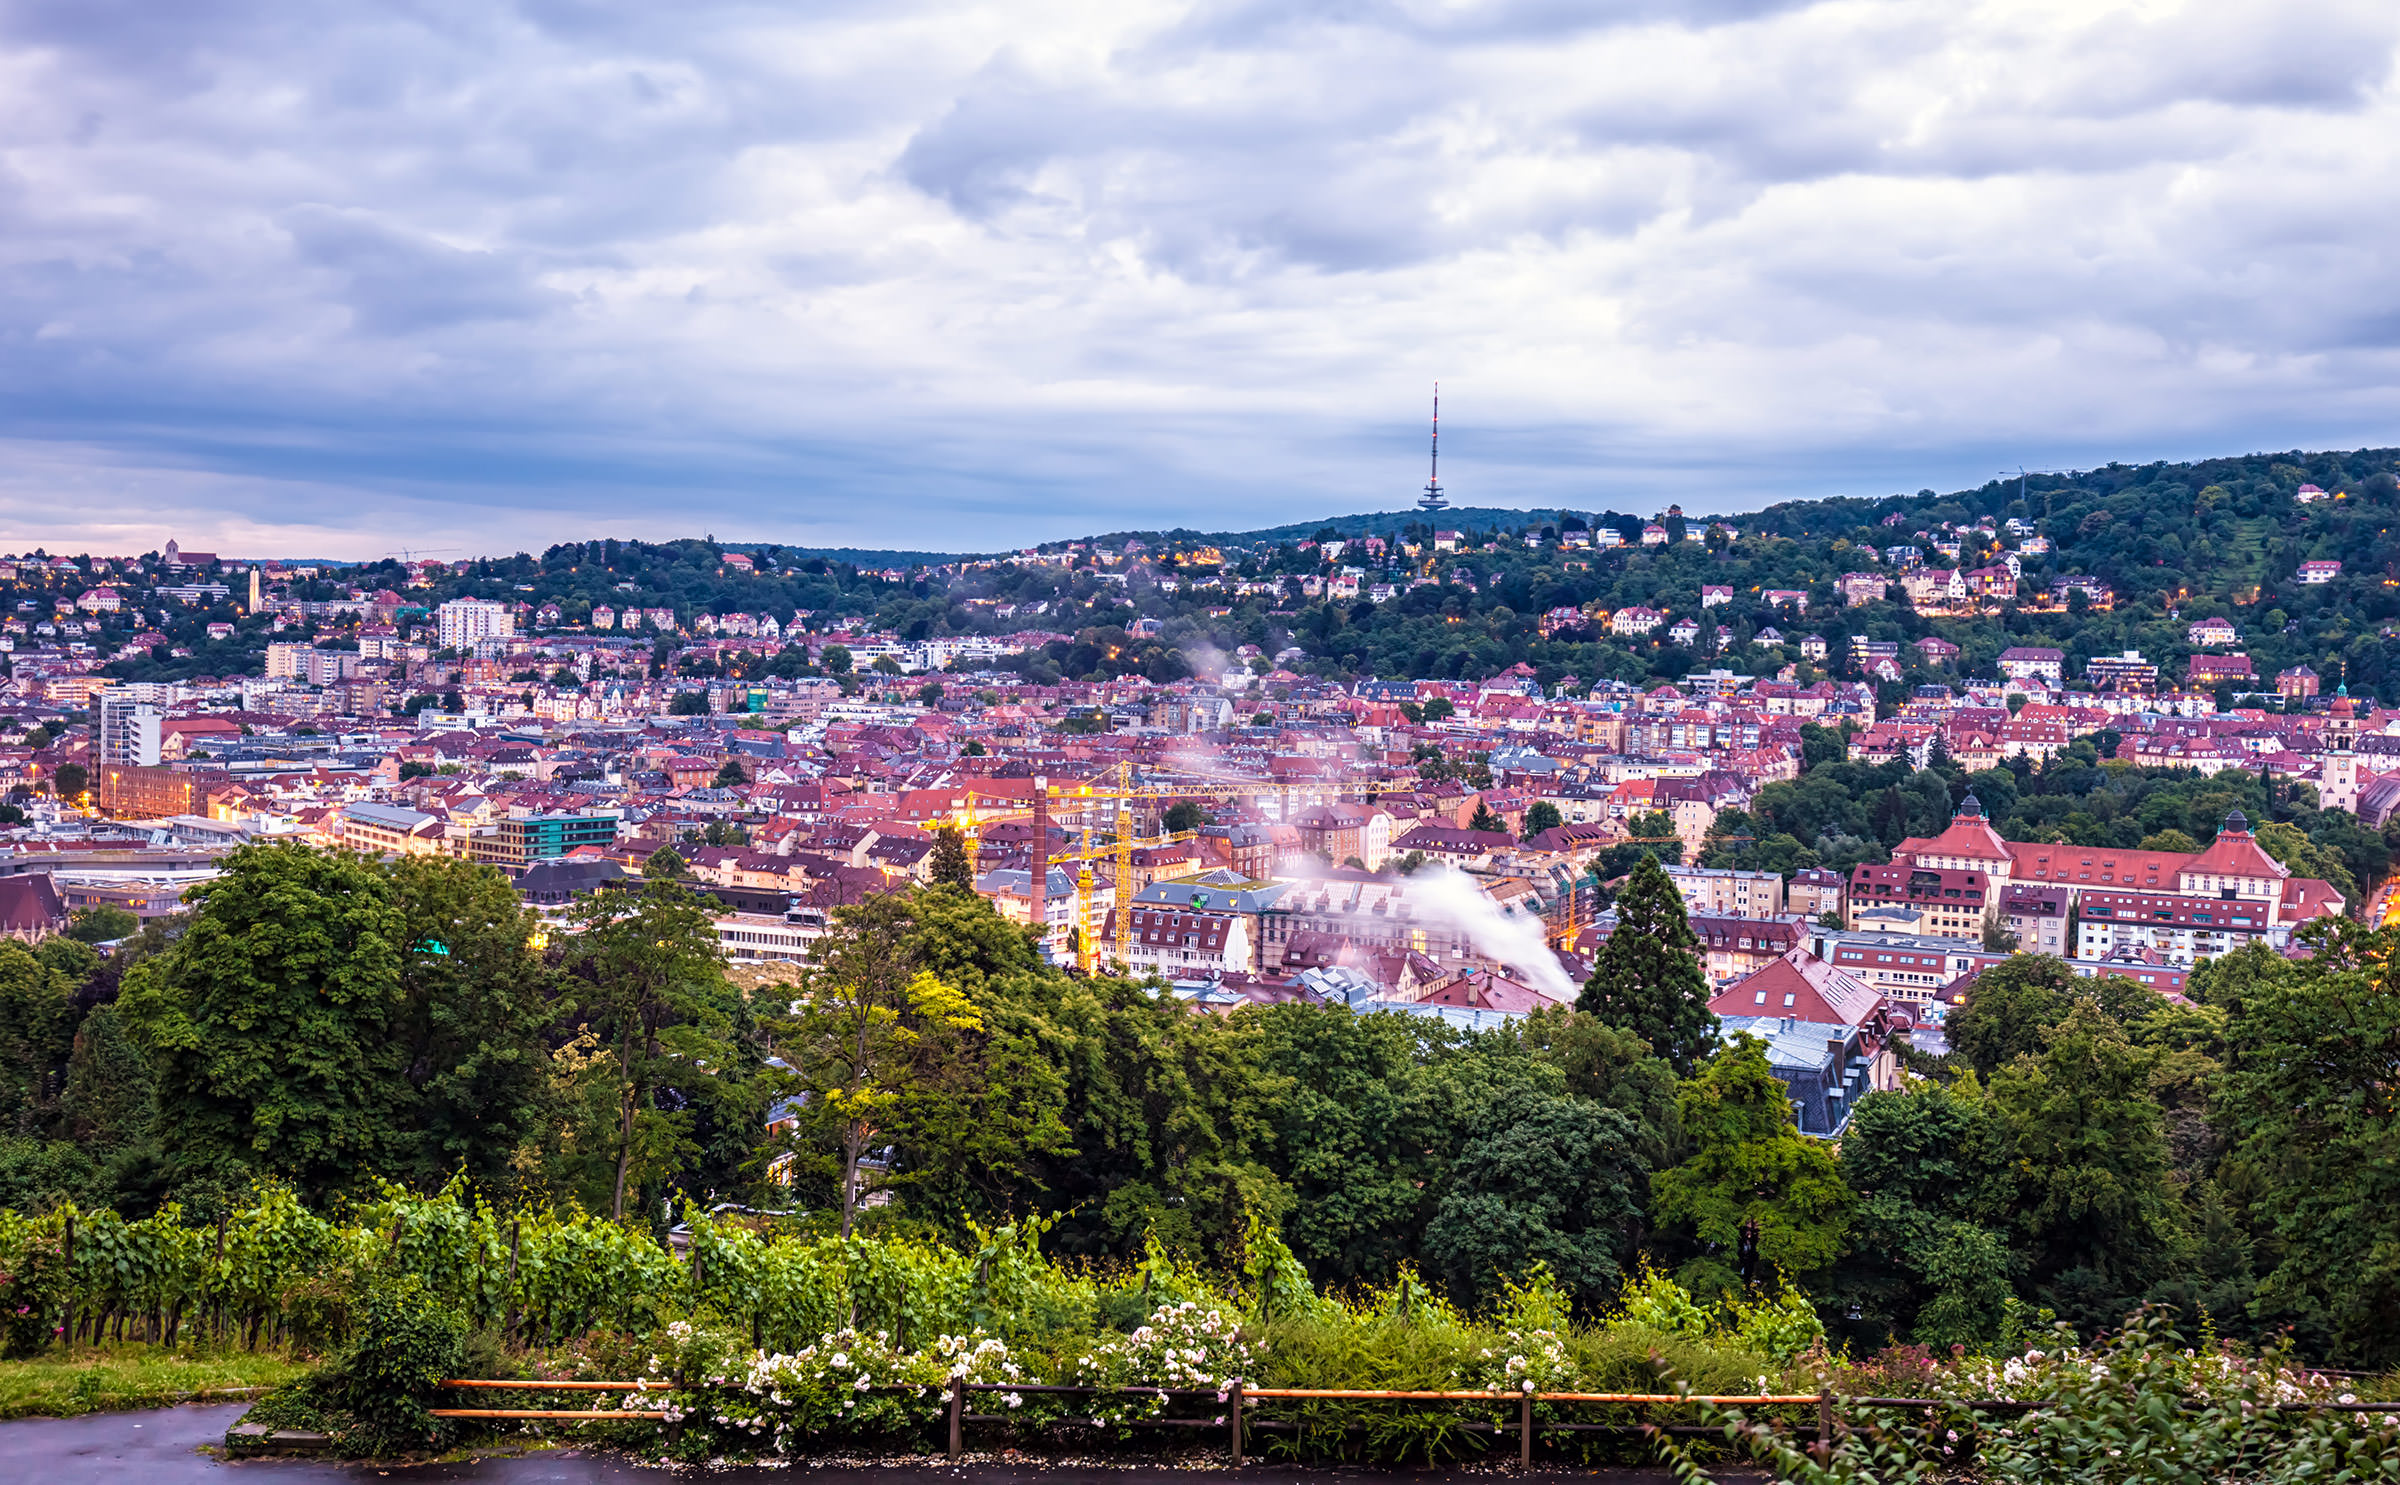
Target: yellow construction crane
(971, 823)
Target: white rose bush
(1183, 1347)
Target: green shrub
(376, 1398)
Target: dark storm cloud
(922, 270)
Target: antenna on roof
(1433, 498)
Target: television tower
(1433, 499)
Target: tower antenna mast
(1433, 498)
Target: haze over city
(346, 280)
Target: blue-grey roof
(1465, 1017)
(1217, 895)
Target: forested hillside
(2175, 543)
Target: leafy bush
(1185, 1345)
(2136, 1409)
(404, 1341)
(376, 1398)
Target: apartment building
(1718, 892)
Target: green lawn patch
(110, 1378)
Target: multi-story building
(1813, 892)
(2181, 930)
(1716, 892)
(523, 837)
(2122, 672)
(465, 622)
(766, 936)
(2038, 917)
(1010, 891)
(1173, 942)
(129, 716)
(131, 791)
(1948, 903)
(1733, 947)
(390, 829)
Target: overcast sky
(337, 279)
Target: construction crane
(971, 822)
(1565, 938)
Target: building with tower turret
(2337, 779)
(2171, 907)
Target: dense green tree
(1541, 815)
(1543, 1178)
(1647, 978)
(731, 775)
(660, 1030)
(476, 1006)
(111, 1097)
(1930, 1253)
(2011, 1006)
(1184, 814)
(977, 1112)
(1365, 1114)
(950, 863)
(1653, 839)
(1757, 1197)
(2308, 1103)
(873, 1031)
(269, 1022)
(2092, 1207)
(1485, 820)
(101, 925)
(37, 1033)
(1166, 1118)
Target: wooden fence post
(1825, 1426)
(1234, 1399)
(1525, 1432)
(958, 1418)
(70, 1267)
(508, 1331)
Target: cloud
(937, 273)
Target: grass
(105, 1379)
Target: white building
(129, 715)
(466, 622)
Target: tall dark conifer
(950, 863)
(1647, 978)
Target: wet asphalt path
(161, 1447)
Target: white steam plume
(1514, 941)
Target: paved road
(161, 1447)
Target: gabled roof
(2235, 853)
(1969, 836)
(1817, 992)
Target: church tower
(2337, 783)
